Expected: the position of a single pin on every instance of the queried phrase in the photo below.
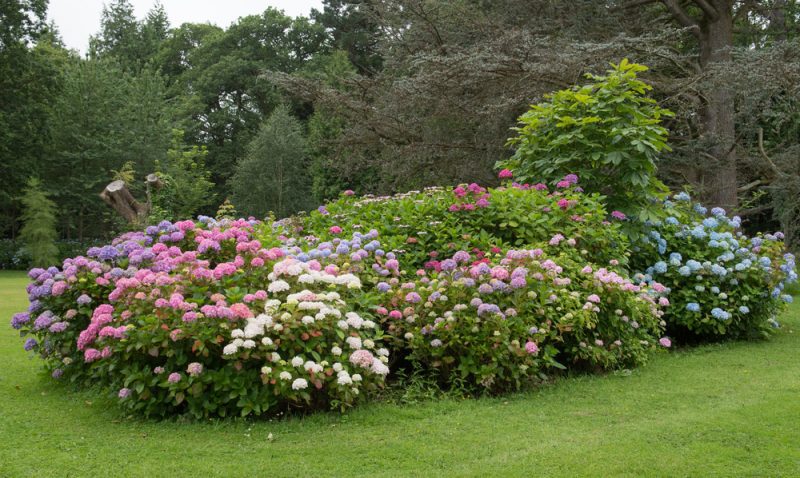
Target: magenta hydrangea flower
(335, 230)
(531, 347)
(505, 174)
(619, 215)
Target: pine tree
(38, 232)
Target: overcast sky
(77, 19)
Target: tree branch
(682, 17)
(708, 9)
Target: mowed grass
(718, 410)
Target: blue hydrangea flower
(694, 265)
(717, 269)
(744, 309)
(660, 267)
(698, 232)
(715, 290)
(675, 259)
(720, 314)
(718, 211)
(787, 298)
(700, 209)
(682, 196)
(710, 222)
(685, 271)
(693, 307)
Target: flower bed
(484, 289)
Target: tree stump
(118, 196)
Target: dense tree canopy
(387, 95)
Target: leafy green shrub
(722, 283)
(608, 132)
(501, 321)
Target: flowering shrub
(485, 289)
(498, 322)
(203, 319)
(722, 283)
(424, 226)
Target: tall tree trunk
(717, 113)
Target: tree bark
(717, 113)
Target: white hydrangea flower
(353, 342)
(307, 319)
(238, 342)
(379, 367)
(299, 384)
(344, 379)
(266, 370)
(285, 376)
(275, 357)
(297, 361)
(272, 305)
(249, 344)
(343, 325)
(369, 344)
(383, 352)
(305, 279)
(337, 367)
(356, 377)
(237, 333)
(336, 351)
(266, 341)
(230, 349)
(368, 324)
(353, 320)
(278, 286)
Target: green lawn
(720, 410)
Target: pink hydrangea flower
(505, 174)
(665, 342)
(335, 230)
(531, 347)
(361, 358)
(174, 377)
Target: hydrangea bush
(200, 318)
(498, 322)
(484, 289)
(722, 283)
(425, 226)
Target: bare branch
(708, 9)
(682, 17)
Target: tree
(353, 31)
(131, 42)
(216, 77)
(31, 57)
(103, 118)
(186, 187)
(38, 233)
(273, 177)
